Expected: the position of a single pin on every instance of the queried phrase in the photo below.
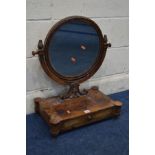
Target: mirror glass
(73, 48)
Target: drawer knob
(89, 117)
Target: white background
(13, 77)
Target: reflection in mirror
(73, 48)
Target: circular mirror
(74, 50)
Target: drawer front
(86, 119)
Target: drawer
(86, 119)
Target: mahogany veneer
(63, 115)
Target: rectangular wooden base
(63, 115)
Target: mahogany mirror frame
(44, 54)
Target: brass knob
(89, 117)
